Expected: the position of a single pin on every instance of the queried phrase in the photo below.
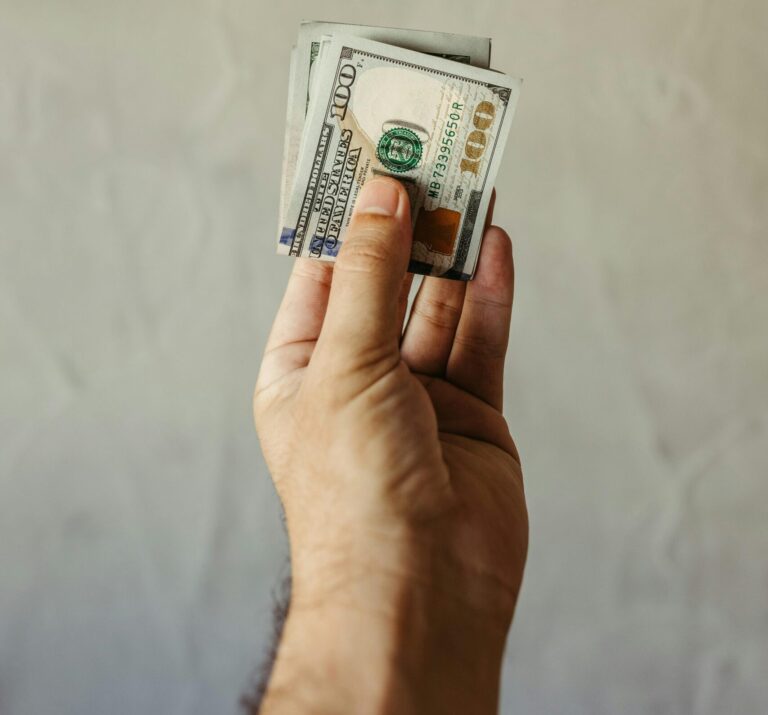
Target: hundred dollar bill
(437, 126)
(304, 59)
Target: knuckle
(437, 313)
(366, 251)
(487, 303)
(482, 346)
(314, 271)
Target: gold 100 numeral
(474, 147)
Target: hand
(401, 485)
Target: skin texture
(401, 484)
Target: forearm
(382, 646)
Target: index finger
(298, 321)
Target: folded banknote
(434, 120)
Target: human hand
(401, 485)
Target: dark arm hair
(250, 703)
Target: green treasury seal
(399, 149)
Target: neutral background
(140, 539)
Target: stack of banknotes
(422, 107)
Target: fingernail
(378, 196)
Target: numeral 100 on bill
(474, 147)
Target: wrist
(392, 634)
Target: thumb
(362, 322)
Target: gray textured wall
(139, 535)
